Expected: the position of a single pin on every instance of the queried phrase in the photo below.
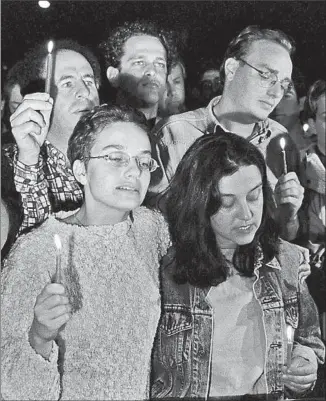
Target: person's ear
(79, 170)
(112, 75)
(230, 67)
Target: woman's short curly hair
(112, 48)
(93, 122)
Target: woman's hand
(300, 375)
(51, 311)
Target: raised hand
(30, 125)
(289, 190)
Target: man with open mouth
(42, 125)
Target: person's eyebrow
(136, 56)
(120, 147)
(64, 77)
(88, 75)
(253, 189)
(146, 152)
(160, 58)
(263, 65)
(142, 56)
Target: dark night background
(207, 25)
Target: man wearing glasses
(256, 73)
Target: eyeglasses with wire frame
(121, 159)
(269, 78)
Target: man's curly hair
(112, 47)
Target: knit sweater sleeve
(164, 240)
(25, 374)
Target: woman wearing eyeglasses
(89, 336)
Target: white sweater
(111, 277)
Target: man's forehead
(266, 49)
(271, 55)
(69, 61)
(143, 44)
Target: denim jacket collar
(260, 132)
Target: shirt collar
(53, 152)
(260, 132)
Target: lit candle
(282, 143)
(290, 337)
(58, 273)
(305, 127)
(49, 67)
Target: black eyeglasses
(269, 78)
(121, 159)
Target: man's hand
(52, 310)
(289, 190)
(30, 125)
(300, 375)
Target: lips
(152, 84)
(246, 228)
(128, 188)
(269, 104)
(83, 108)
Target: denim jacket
(183, 346)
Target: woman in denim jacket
(231, 289)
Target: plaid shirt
(46, 187)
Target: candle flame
(57, 242)
(50, 46)
(305, 127)
(282, 143)
(289, 333)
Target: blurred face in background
(15, 98)
(287, 112)
(173, 99)
(210, 85)
(318, 124)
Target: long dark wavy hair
(192, 198)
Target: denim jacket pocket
(171, 370)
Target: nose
(133, 170)
(150, 70)
(244, 211)
(82, 90)
(276, 91)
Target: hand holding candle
(282, 144)
(58, 272)
(49, 67)
(290, 339)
